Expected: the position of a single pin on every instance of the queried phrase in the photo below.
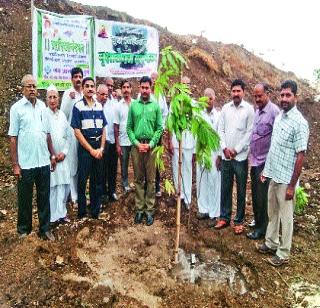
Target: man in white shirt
(61, 135)
(31, 154)
(235, 128)
(69, 98)
(209, 181)
(123, 144)
(110, 156)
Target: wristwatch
(53, 157)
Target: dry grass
(204, 57)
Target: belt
(144, 140)
(94, 138)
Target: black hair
(290, 84)
(146, 79)
(125, 81)
(76, 70)
(238, 82)
(84, 80)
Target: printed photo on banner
(61, 42)
(125, 50)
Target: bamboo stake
(176, 257)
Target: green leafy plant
(185, 114)
(302, 199)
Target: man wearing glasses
(31, 154)
(110, 156)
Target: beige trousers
(280, 211)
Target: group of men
(92, 130)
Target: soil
(111, 262)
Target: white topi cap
(52, 88)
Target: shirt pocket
(286, 139)
(264, 129)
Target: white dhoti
(186, 183)
(209, 189)
(58, 199)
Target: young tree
(185, 115)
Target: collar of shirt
(240, 105)
(265, 109)
(143, 102)
(290, 113)
(25, 101)
(86, 103)
(124, 102)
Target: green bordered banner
(59, 43)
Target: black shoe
(255, 235)
(47, 236)
(149, 220)
(202, 216)
(138, 218)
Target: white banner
(125, 50)
(59, 43)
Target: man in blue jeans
(235, 128)
(88, 122)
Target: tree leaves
(185, 113)
(302, 199)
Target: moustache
(78, 82)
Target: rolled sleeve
(301, 138)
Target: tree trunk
(176, 259)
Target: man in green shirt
(144, 128)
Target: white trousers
(209, 190)
(58, 198)
(186, 184)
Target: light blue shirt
(290, 136)
(30, 125)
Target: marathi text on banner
(125, 50)
(60, 43)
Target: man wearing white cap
(61, 135)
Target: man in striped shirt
(88, 122)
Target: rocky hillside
(211, 64)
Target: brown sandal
(221, 224)
(238, 229)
